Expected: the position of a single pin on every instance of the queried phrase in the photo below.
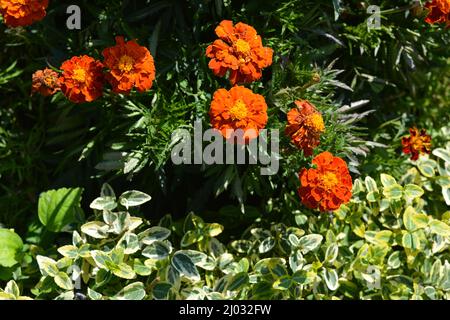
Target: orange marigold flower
(18, 13)
(239, 50)
(46, 82)
(327, 186)
(417, 143)
(130, 65)
(439, 12)
(238, 108)
(305, 125)
(82, 79)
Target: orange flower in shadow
(18, 13)
(327, 186)
(417, 143)
(238, 108)
(439, 12)
(45, 82)
(82, 79)
(240, 51)
(130, 65)
(305, 125)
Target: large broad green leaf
(184, 265)
(58, 208)
(10, 248)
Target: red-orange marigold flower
(46, 82)
(240, 51)
(439, 12)
(328, 186)
(82, 79)
(238, 108)
(130, 65)
(18, 13)
(305, 125)
(417, 143)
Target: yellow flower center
(418, 143)
(48, 81)
(315, 121)
(125, 63)
(239, 110)
(242, 46)
(79, 75)
(329, 180)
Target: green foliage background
(390, 79)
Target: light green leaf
(11, 246)
(58, 208)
